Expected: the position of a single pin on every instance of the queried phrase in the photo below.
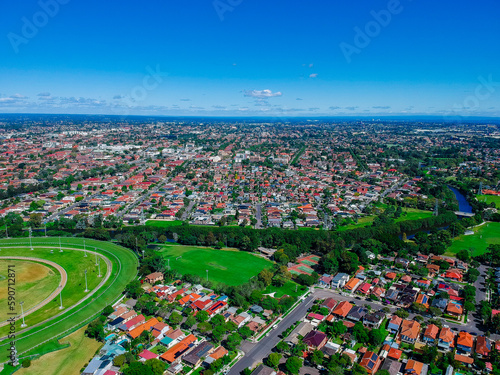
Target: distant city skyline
(251, 58)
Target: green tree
(175, 318)
(202, 316)
(134, 289)
(293, 365)
(282, 347)
(317, 357)
(119, 361)
(138, 368)
(245, 332)
(273, 360)
(157, 367)
(360, 333)
(190, 322)
(204, 327)
(35, 220)
(233, 341)
(376, 337)
(218, 332)
(429, 354)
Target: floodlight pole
(207, 275)
(168, 263)
(60, 297)
(100, 267)
(45, 230)
(31, 244)
(22, 314)
(6, 232)
(95, 256)
(86, 287)
(85, 249)
(60, 246)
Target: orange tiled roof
(410, 328)
(465, 339)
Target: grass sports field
(291, 288)
(41, 338)
(489, 198)
(411, 214)
(163, 223)
(36, 282)
(66, 361)
(483, 236)
(229, 266)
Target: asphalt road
(188, 209)
(258, 216)
(255, 353)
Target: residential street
(258, 215)
(256, 352)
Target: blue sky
(251, 57)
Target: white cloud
(313, 75)
(18, 96)
(262, 94)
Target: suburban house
(179, 349)
(430, 334)
(340, 280)
(465, 342)
(455, 309)
(342, 309)
(374, 319)
(329, 303)
(352, 285)
(154, 277)
(370, 362)
(315, 340)
(263, 370)
(301, 330)
(445, 339)
(410, 330)
(483, 346)
(394, 324)
(357, 313)
(194, 357)
(415, 368)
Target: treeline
(322, 242)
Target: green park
(228, 266)
(484, 235)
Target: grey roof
(197, 353)
(93, 366)
(393, 367)
(263, 370)
(256, 309)
(302, 329)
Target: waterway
(463, 205)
